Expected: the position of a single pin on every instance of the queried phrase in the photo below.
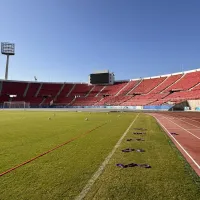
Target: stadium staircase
(172, 85)
(36, 94)
(123, 88)
(196, 87)
(60, 90)
(68, 94)
(154, 88)
(95, 90)
(170, 80)
(134, 86)
(112, 90)
(90, 91)
(1, 86)
(26, 90)
(42, 102)
(100, 91)
(99, 102)
(72, 101)
(146, 85)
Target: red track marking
(192, 124)
(197, 123)
(184, 126)
(188, 145)
(180, 116)
(190, 129)
(186, 120)
(42, 154)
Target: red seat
(81, 90)
(95, 90)
(151, 91)
(166, 83)
(49, 89)
(147, 85)
(186, 82)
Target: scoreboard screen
(101, 78)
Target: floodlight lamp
(7, 48)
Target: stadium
(154, 93)
(103, 138)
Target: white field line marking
(96, 175)
(182, 128)
(178, 143)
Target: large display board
(100, 78)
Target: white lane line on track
(178, 143)
(96, 175)
(193, 119)
(183, 128)
(186, 122)
(194, 129)
(190, 123)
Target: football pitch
(73, 155)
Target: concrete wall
(193, 104)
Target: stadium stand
(81, 90)
(85, 101)
(32, 90)
(129, 86)
(167, 82)
(137, 102)
(112, 89)
(115, 101)
(96, 90)
(13, 88)
(49, 89)
(196, 87)
(188, 81)
(148, 91)
(183, 95)
(4, 98)
(63, 101)
(65, 90)
(147, 85)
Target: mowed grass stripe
(96, 175)
(169, 178)
(49, 151)
(34, 134)
(63, 173)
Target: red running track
(188, 139)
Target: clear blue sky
(65, 40)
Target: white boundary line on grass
(96, 175)
(178, 143)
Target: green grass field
(63, 173)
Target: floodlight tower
(7, 49)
